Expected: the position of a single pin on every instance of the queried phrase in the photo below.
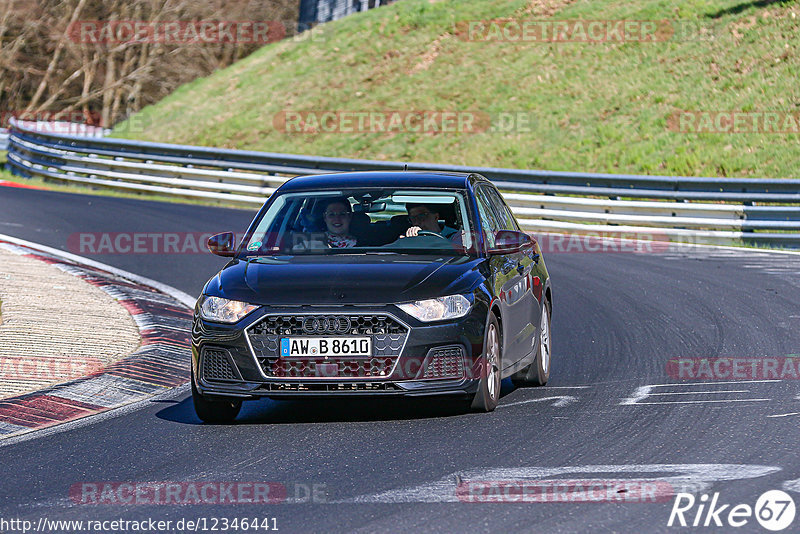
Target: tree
(51, 62)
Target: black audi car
(373, 284)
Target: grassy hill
(602, 107)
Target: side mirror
(223, 244)
(510, 241)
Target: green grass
(596, 107)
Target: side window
(489, 220)
(507, 220)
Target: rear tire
(221, 410)
(488, 394)
(538, 372)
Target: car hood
(343, 279)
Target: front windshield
(405, 221)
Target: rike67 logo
(774, 510)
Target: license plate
(294, 347)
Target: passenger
(337, 215)
(425, 218)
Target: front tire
(538, 372)
(223, 410)
(488, 394)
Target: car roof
(435, 179)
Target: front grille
(346, 368)
(348, 386)
(342, 324)
(446, 362)
(387, 333)
(216, 366)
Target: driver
(425, 218)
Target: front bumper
(240, 370)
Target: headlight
(438, 309)
(223, 310)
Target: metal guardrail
(316, 11)
(3, 139)
(710, 210)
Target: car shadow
(332, 410)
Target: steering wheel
(422, 233)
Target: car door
(506, 279)
(527, 306)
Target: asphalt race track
(394, 466)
